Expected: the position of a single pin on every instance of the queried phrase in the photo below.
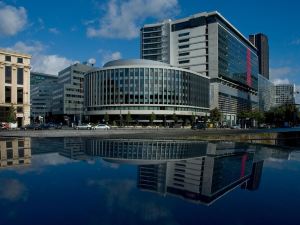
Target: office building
(266, 95)
(284, 94)
(15, 86)
(261, 42)
(41, 88)
(209, 45)
(68, 95)
(15, 152)
(143, 87)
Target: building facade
(143, 87)
(15, 152)
(261, 42)
(266, 94)
(208, 44)
(15, 86)
(284, 94)
(41, 88)
(68, 96)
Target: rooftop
(11, 52)
(134, 62)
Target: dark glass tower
(262, 44)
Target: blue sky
(58, 33)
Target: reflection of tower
(152, 177)
(202, 179)
(15, 152)
(74, 148)
(253, 183)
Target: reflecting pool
(91, 181)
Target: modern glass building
(41, 88)
(284, 94)
(145, 87)
(266, 93)
(261, 42)
(68, 95)
(210, 45)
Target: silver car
(83, 127)
(101, 126)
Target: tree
(175, 118)
(193, 118)
(11, 116)
(106, 118)
(152, 118)
(128, 118)
(215, 115)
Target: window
(8, 144)
(184, 53)
(8, 94)
(20, 95)
(184, 34)
(184, 46)
(184, 61)
(8, 74)
(20, 60)
(183, 40)
(7, 58)
(19, 109)
(20, 74)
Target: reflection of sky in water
(58, 190)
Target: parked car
(199, 126)
(4, 126)
(235, 127)
(101, 126)
(83, 127)
(30, 127)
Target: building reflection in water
(196, 171)
(200, 172)
(15, 152)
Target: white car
(101, 126)
(83, 127)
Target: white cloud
(107, 56)
(54, 30)
(13, 19)
(34, 47)
(51, 64)
(12, 190)
(123, 19)
(281, 81)
(40, 61)
(296, 42)
(280, 72)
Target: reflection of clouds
(104, 163)
(281, 164)
(12, 190)
(119, 196)
(40, 161)
(52, 159)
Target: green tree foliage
(193, 118)
(175, 118)
(215, 115)
(288, 113)
(252, 115)
(106, 118)
(152, 118)
(11, 116)
(128, 118)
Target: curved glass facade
(138, 87)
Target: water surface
(95, 181)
